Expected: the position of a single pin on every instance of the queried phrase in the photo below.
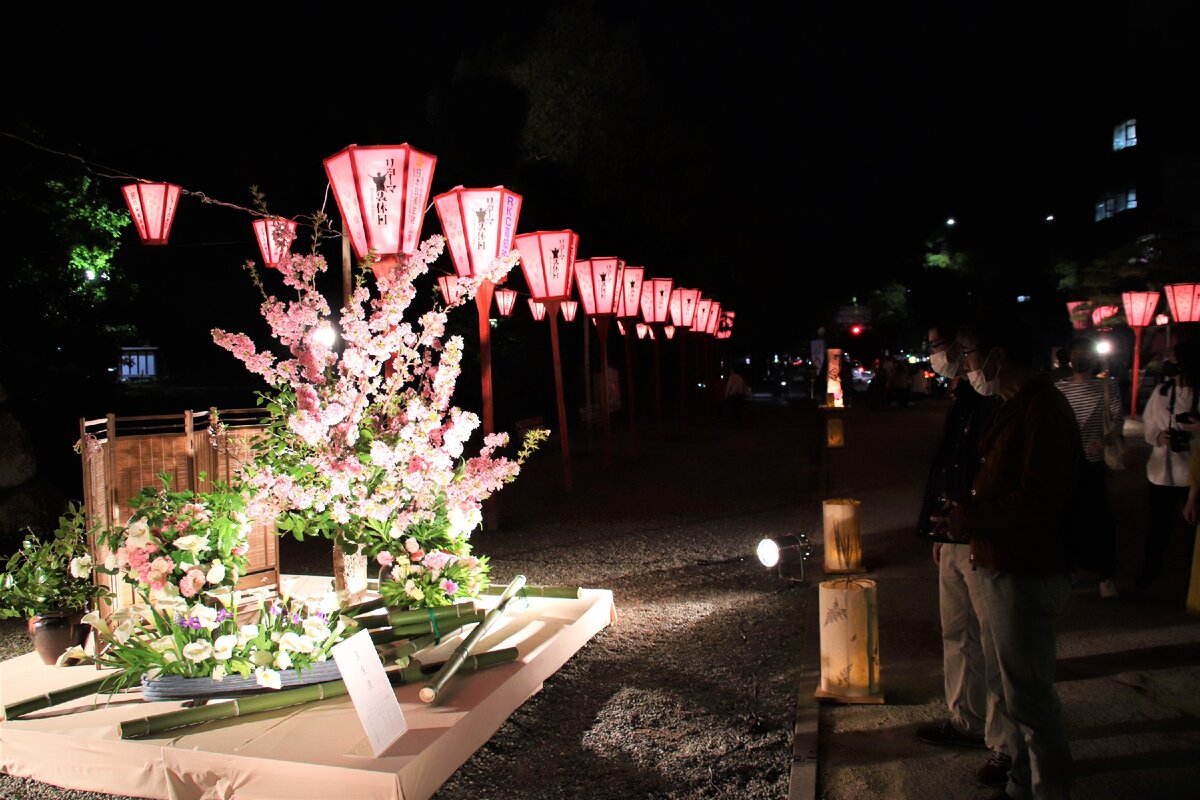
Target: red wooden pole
(629, 335)
(602, 333)
(483, 304)
(1137, 365)
(552, 313)
(681, 334)
(657, 380)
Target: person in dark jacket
(971, 722)
(1015, 520)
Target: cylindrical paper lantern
(843, 540)
(833, 378)
(835, 435)
(849, 642)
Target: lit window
(1131, 198)
(1125, 134)
(1100, 211)
(1114, 203)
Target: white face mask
(980, 383)
(942, 366)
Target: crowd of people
(1016, 506)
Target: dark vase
(53, 632)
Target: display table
(318, 750)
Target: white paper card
(373, 697)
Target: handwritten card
(369, 689)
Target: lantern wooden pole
(683, 339)
(629, 335)
(602, 335)
(1137, 366)
(347, 267)
(483, 303)
(657, 383)
(552, 313)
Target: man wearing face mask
(950, 476)
(1015, 520)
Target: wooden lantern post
(656, 304)
(628, 300)
(1139, 312)
(683, 312)
(598, 281)
(548, 262)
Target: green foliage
(91, 227)
(41, 576)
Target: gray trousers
(972, 710)
(1020, 636)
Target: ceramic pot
(53, 632)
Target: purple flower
(223, 615)
(194, 623)
(276, 609)
(295, 618)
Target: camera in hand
(1180, 440)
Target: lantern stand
(655, 304)
(552, 307)
(627, 310)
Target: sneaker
(945, 733)
(1108, 589)
(995, 771)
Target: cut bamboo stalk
(561, 592)
(57, 697)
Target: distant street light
(1049, 218)
(950, 222)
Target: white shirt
(1166, 467)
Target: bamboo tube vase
(843, 538)
(849, 642)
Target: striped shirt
(1086, 399)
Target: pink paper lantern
(505, 299)
(1139, 308)
(629, 298)
(569, 308)
(714, 319)
(275, 237)
(621, 327)
(599, 283)
(152, 206)
(1079, 320)
(726, 329)
(669, 330)
(700, 322)
(451, 291)
(656, 300)
(1184, 301)
(382, 192)
(548, 261)
(1101, 313)
(683, 307)
(479, 225)
(644, 330)
(537, 309)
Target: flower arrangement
(208, 639)
(51, 575)
(180, 543)
(362, 446)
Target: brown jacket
(1016, 517)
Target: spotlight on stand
(788, 553)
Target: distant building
(139, 365)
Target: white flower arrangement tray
(175, 687)
(315, 750)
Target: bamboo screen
(128, 454)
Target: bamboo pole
(57, 697)
(564, 592)
(430, 693)
(438, 628)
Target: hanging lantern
(713, 323)
(629, 298)
(537, 309)
(843, 539)
(849, 619)
(382, 191)
(505, 299)
(1079, 319)
(275, 237)
(683, 307)
(656, 300)
(644, 330)
(1139, 308)
(569, 307)
(548, 261)
(620, 327)
(1101, 313)
(152, 206)
(726, 326)
(1184, 301)
(599, 284)
(835, 433)
(669, 330)
(451, 291)
(700, 322)
(479, 225)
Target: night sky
(782, 158)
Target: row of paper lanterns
(382, 192)
(1141, 308)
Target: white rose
(282, 660)
(246, 633)
(81, 566)
(110, 562)
(197, 651)
(137, 534)
(216, 573)
(223, 647)
(218, 673)
(268, 678)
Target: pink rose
(384, 558)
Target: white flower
(197, 651)
(206, 615)
(216, 573)
(295, 642)
(316, 629)
(223, 646)
(192, 544)
(97, 622)
(74, 652)
(463, 522)
(168, 603)
(246, 633)
(268, 678)
(162, 644)
(282, 660)
(223, 595)
(123, 631)
(110, 562)
(286, 586)
(218, 673)
(81, 566)
(395, 532)
(137, 534)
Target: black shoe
(946, 734)
(995, 771)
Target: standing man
(950, 477)
(1015, 521)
